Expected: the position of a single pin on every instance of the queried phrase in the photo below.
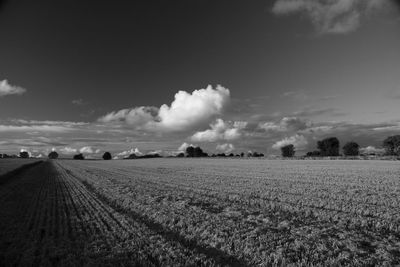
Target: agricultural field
(7, 165)
(204, 212)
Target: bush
(53, 155)
(107, 156)
(180, 155)
(79, 156)
(288, 151)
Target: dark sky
(112, 55)
(118, 55)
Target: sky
(228, 76)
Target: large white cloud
(330, 16)
(8, 89)
(220, 130)
(186, 111)
(299, 142)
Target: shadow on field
(11, 175)
(220, 257)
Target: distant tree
(288, 151)
(221, 155)
(107, 156)
(242, 154)
(351, 149)
(79, 156)
(190, 151)
(329, 147)
(392, 145)
(180, 155)
(24, 154)
(53, 155)
(231, 155)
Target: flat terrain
(181, 212)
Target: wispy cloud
(312, 111)
(296, 95)
(28, 126)
(78, 102)
(333, 16)
(286, 124)
(34, 128)
(8, 89)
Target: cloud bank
(8, 89)
(188, 110)
(330, 16)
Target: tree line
(330, 147)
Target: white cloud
(286, 124)
(186, 111)
(333, 16)
(159, 152)
(182, 148)
(372, 150)
(220, 130)
(8, 89)
(89, 150)
(139, 116)
(135, 151)
(68, 150)
(226, 148)
(299, 142)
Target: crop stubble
(208, 211)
